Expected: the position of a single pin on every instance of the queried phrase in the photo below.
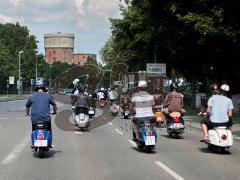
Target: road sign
(156, 69)
(11, 79)
(131, 79)
(117, 83)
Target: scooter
(92, 111)
(102, 103)
(147, 136)
(41, 139)
(81, 117)
(125, 112)
(219, 138)
(114, 109)
(175, 124)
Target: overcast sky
(88, 20)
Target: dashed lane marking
(78, 132)
(133, 143)
(15, 153)
(169, 171)
(119, 132)
(110, 124)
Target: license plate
(150, 140)
(81, 116)
(40, 143)
(91, 112)
(177, 125)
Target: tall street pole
(19, 72)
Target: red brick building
(82, 58)
(59, 48)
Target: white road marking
(78, 132)
(110, 124)
(3, 118)
(14, 154)
(169, 171)
(119, 132)
(133, 143)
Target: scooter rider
(113, 95)
(219, 111)
(124, 99)
(142, 105)
(39, 103)
(173, 102)
(81, 99)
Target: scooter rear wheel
(41, 153)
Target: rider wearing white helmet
(219, 111)
(141, 106)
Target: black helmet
(173, 86)
(40, 84)
(215, 88)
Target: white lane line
(119, 132)
(133, 143)
(3, 118)
(15, 153)
(78, 132)
(169, 171)
(110, 124)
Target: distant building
(82, 58)
(59, 48)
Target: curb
(4, 99)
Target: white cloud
(87, 19)
(5, 19)
(16, 2)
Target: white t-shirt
(100, 95)
(220, 106)
(76, 92)
(113, 94)
(143, 103)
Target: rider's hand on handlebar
(53, 112)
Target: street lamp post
(19, 72)
(36, 65)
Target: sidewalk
(194, 121)
(13, 97)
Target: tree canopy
(198, 39)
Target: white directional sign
(131, 79)
(11, 79)
(156, 69)
(118, 83)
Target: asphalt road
(105, 151)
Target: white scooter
(114, 109)
(219, 138)
(81, 117)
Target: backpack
(82, 101)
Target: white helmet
(225, 87)
(142, 83)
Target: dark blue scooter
(147, 136)
(41, 139)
